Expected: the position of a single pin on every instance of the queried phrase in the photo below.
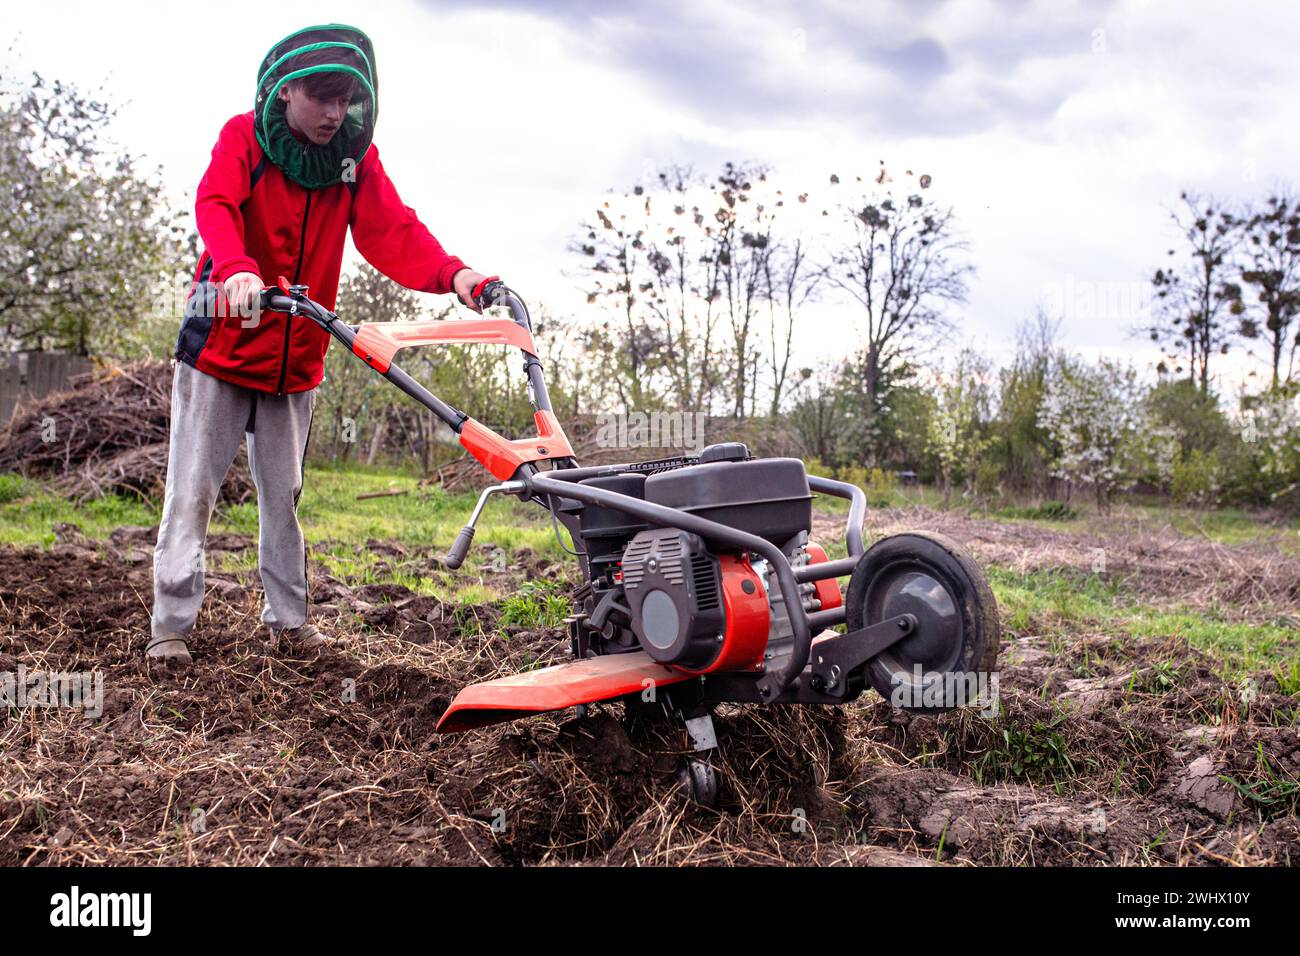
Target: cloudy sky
(1060, 132)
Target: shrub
(1047, 511)
(1196, 480)
(12, 487)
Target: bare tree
(681, 290)
(354, 406)
(1195, 297)
(743, 249)
(1272, 248)
(616, 250)
(901, 263)
(791, 281)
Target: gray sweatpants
(209, 420)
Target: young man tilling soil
(286, 182)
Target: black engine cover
(674, 588)
(767, 497)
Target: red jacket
(252, 218)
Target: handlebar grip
(487, 292)
(283, 289)
(460, 548)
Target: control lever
(460, 547)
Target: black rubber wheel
(699, 781)
(937, 580)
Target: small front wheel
(947, 661)
(699, 781)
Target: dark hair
(328, 85)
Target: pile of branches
(107, 433)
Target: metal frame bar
(564, 483)
(455, 419)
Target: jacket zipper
(297, 270)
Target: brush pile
(105, 434)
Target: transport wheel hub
(935, 643)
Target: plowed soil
(1106, 749)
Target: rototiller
(701, 585)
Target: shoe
(304, 637)
(168, 650)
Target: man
(285, 184)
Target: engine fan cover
(692, 609)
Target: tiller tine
(555, 688)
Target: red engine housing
(745, 638)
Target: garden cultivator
(701, 584)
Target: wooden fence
(25, 375)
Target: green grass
(912, 496)
(424, 517)
(1043, 601)
(1057, 604)
(1272, 793)
(337, 527)
(1288, 677)
(535, 604)
(1230, 526)
(28, 514)
(13, 487)
(1037, 754)
(1047, 511)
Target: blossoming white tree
(1092, 412)
(1271, 432)
(955, 434)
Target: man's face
(317, 119)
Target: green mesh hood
(307, 164)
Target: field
(1149, 695)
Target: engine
(695, 604)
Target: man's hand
(242, 291)
(463, 282)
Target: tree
(650, 258)
(956, 435)
(1272, 245)
(904, 429)
(1270, 428)
(86, 242)
(791, 282)
(1195, 298)
(742, 255)
(1195, 418)
(700, 288)
(900, 263)
(1188, 442)
(1091, 413)
(1022, 447)
(818, 412)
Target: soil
(270, 755)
